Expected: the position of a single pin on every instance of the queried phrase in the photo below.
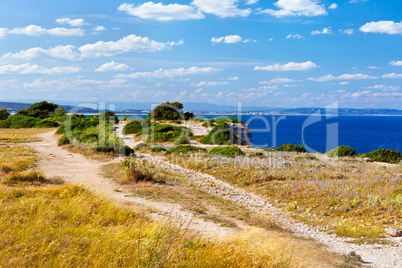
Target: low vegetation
(291, 148)
(342, 151)
(385, 155)
(228, 151)
(184, 149)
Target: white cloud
(294, 8)
(327, 30)
(348, 31)
(333, 6)
(373, 67)
(164, 73)
(210, 84)
(72, 22)
(291, 66)
(388, 27)
(330, 77)
(294, 36)
(392, 75)
(99, 28)
(162, 12)
(396, 63)
(3, 32)
(277, 81)
(27, 68)
(251, 2)
(221, 8)
(361, 93)
(356, 1)
(131, 43)
(59, 52)
(34, 30)
(384, 87)
(235, 78)
(112, 66)
(344, 83)
(229, 39)
(198, 90)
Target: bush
(108, 117)
(89, 138)
(4, 114)
(222, 135)
(141, 146)
(63, 140)
(127, 151)
(19, 121)
(39, 110)
(385, 155)
(183, 149)
(46, 124)
(158, 149)
(342, 151)
(228, 151)
(27, 176)
(291, 148)
(136, 172)
(232, 120)
(167, 111)
(188, 115)
(135, 127)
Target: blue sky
(279, 53)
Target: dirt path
(75, 168)
(375, 255)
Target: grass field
(47, 225)
(348, 197)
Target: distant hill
(14, 107)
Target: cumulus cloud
(112, 66)
(131, 43)
(3, 32)
(27, 68)
(34, 30)
(294, 36)
(291, 66)
(164, 73)
(392, 75)
(388, 27)
(277, 81)
(396, 63)
(348, 31)
(210, 84)
(161, 12)
(221, 8)
(344, 83)
(72, 22)
(333, 6)
(327, 30)
(99, 28)
(330, 77)
(234, 78)
(59, 52)
(229, 39)
(252, 2)
(286, 8)
(384, 87)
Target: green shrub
(4, 114)
(167, 111)
(175, 137)
(291, 148)
(19, 121)
(135, 172)
(342, 151)
(63, 140)
(89, 138)
(385, 155)
(183, 149)
(233, 120)
(141, 146)
(188, 115)
(135, 127)
(46, 124)
(158, 149)
(39, 110)
(221, 135)
(108, 117)
(228, 151)
(127, 151)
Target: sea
(322, 133)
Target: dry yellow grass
(20, 135)
(349, 197)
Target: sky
(272, 53)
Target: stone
(285, 164)
(368, 160)
(393, 232)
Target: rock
(399, 176)
(285, 164)
(357, 171)
(393, 232)
(338, 177)
(368, 160)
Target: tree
(167, 111)
(39, 110)
(59, 114)
(4, 114)
(188, 115)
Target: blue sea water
(321, 134)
